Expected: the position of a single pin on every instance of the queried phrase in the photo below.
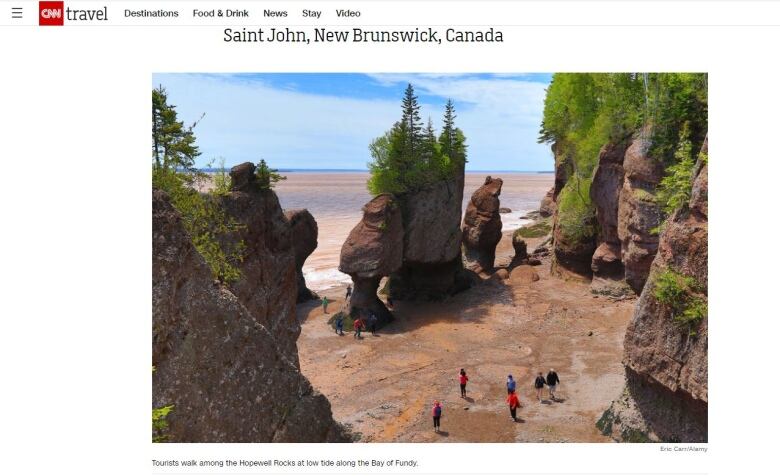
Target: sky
(326, 121)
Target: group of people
(358, 324)
(551, 381)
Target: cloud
(249, 119)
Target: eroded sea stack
(665, 349)
(373, 250)
(304, 242)
(432, 266)
(222, 357)
(482, 225)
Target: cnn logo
(51, 13)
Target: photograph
(429, 257)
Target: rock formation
(215, 360)
(268, 286)
(521, 250)
(606, 263)
(304, 242)
(432, 266)
(666, 358)
(373, 250)
(638, 211)
(482, 225)
(547, 207)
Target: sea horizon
(294, 170)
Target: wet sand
(383, 386)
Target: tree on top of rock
(409, 157)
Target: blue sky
(326, 121)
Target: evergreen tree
(411, 124)
(447, 138)
(173, 144)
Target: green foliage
(576, 213)
(409, 156)
(160, 423)
(207, 223)
(584, 111)
(680, 294)
(173, 144)
(221, 180)
(534, 230)
(173, 171)
(674, 191)
(266, 176)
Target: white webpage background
(76, 306)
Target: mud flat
(383, 386)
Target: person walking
(372, 322)
(325, 304)
(436, 412)
(358, 325)
(514, 403)
(463, 380)
(539, 385)
(340, 324)
(552, 383)
(511, 385)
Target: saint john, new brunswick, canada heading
(360, 35)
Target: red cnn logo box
(51, 13)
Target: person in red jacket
(358, 326)
(514, 402)
(463, 380)
(436, 412)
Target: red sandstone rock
(482, 224)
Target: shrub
(266, 176)
(160, 423)
(576, 213)
(221, 180)
(680, 295)
(206, 222)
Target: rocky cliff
(373, 250)
(268, 286)
(665, 349)
(304, 242)
(432, 266)
(638, 212)
(482, 225)
(219, 359)
(612, 238)
(574, 222)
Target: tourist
(372, 322)
(539, 385)
(511, 385)
(340, 324)
(325, 304)
(349, 291)
(436, 412)
(514, 402)
(463, 379)
(358, 325)
(552, 383)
